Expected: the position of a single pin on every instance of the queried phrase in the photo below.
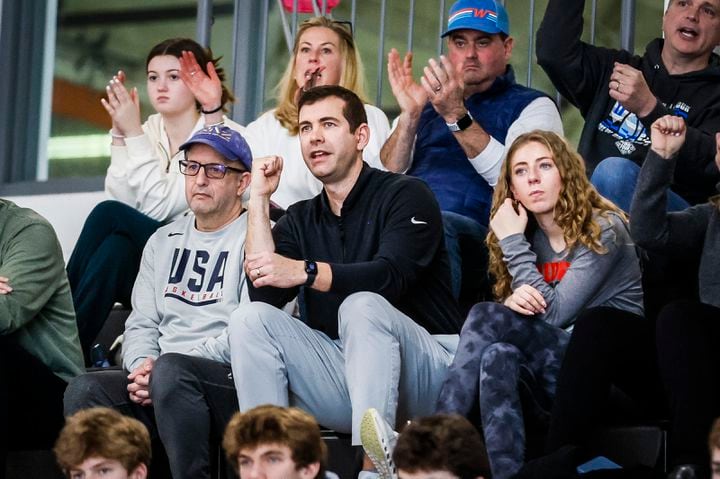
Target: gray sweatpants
(382, 359)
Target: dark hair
(353, 110)
(443, 442)
(175, 47)
(291, 427)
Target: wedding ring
(257, 272)
(438, 88)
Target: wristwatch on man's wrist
(311, 269)
(462, 124)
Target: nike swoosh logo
(173, 234)
(417, 222)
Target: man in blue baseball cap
(177, 378)
(456, 123)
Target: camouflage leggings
(494, 344)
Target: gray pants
(382, 359)
(193, 400)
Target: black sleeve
(574, 67)
(697, 156)
(285, 245)
(409, 241)
(651, 226)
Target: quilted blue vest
(440, 160)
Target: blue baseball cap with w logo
(487, 16)
(226, 141)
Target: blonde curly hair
(578, 203)
(352, 76)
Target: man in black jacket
(620, 95)
(367, 254)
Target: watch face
(311, 267)
(464, 122)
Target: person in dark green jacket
(39, 345)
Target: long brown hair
(175, 47)
(578, 203)
(352, 77)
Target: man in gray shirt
(190, 280)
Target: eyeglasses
(344, 24)
(215, 171)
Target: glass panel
(94, 41)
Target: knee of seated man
(249, 318)
(82, 392)
(108, 209)
(613, 171)
(166, 374)
(355, 313)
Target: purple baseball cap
(226, 141)
(487, 16)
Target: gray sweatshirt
(696, 229)
(574, 280)
(189, 283)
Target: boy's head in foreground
(101, 442)
(443, 446)
(275, 443)
(714, 445)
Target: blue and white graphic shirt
(627, 129)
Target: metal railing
(251, 33)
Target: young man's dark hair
(443, 442)
(291, 427)
(353, 111)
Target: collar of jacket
(355, 193)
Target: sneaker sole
(375, 449)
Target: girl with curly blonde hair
(557, 249)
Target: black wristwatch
(311, 269)
(462, 124)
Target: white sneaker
(378, 440)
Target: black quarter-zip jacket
(387, 240)
(581, 72)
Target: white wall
(66, 212)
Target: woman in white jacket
(324, 54)
(143, 179)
